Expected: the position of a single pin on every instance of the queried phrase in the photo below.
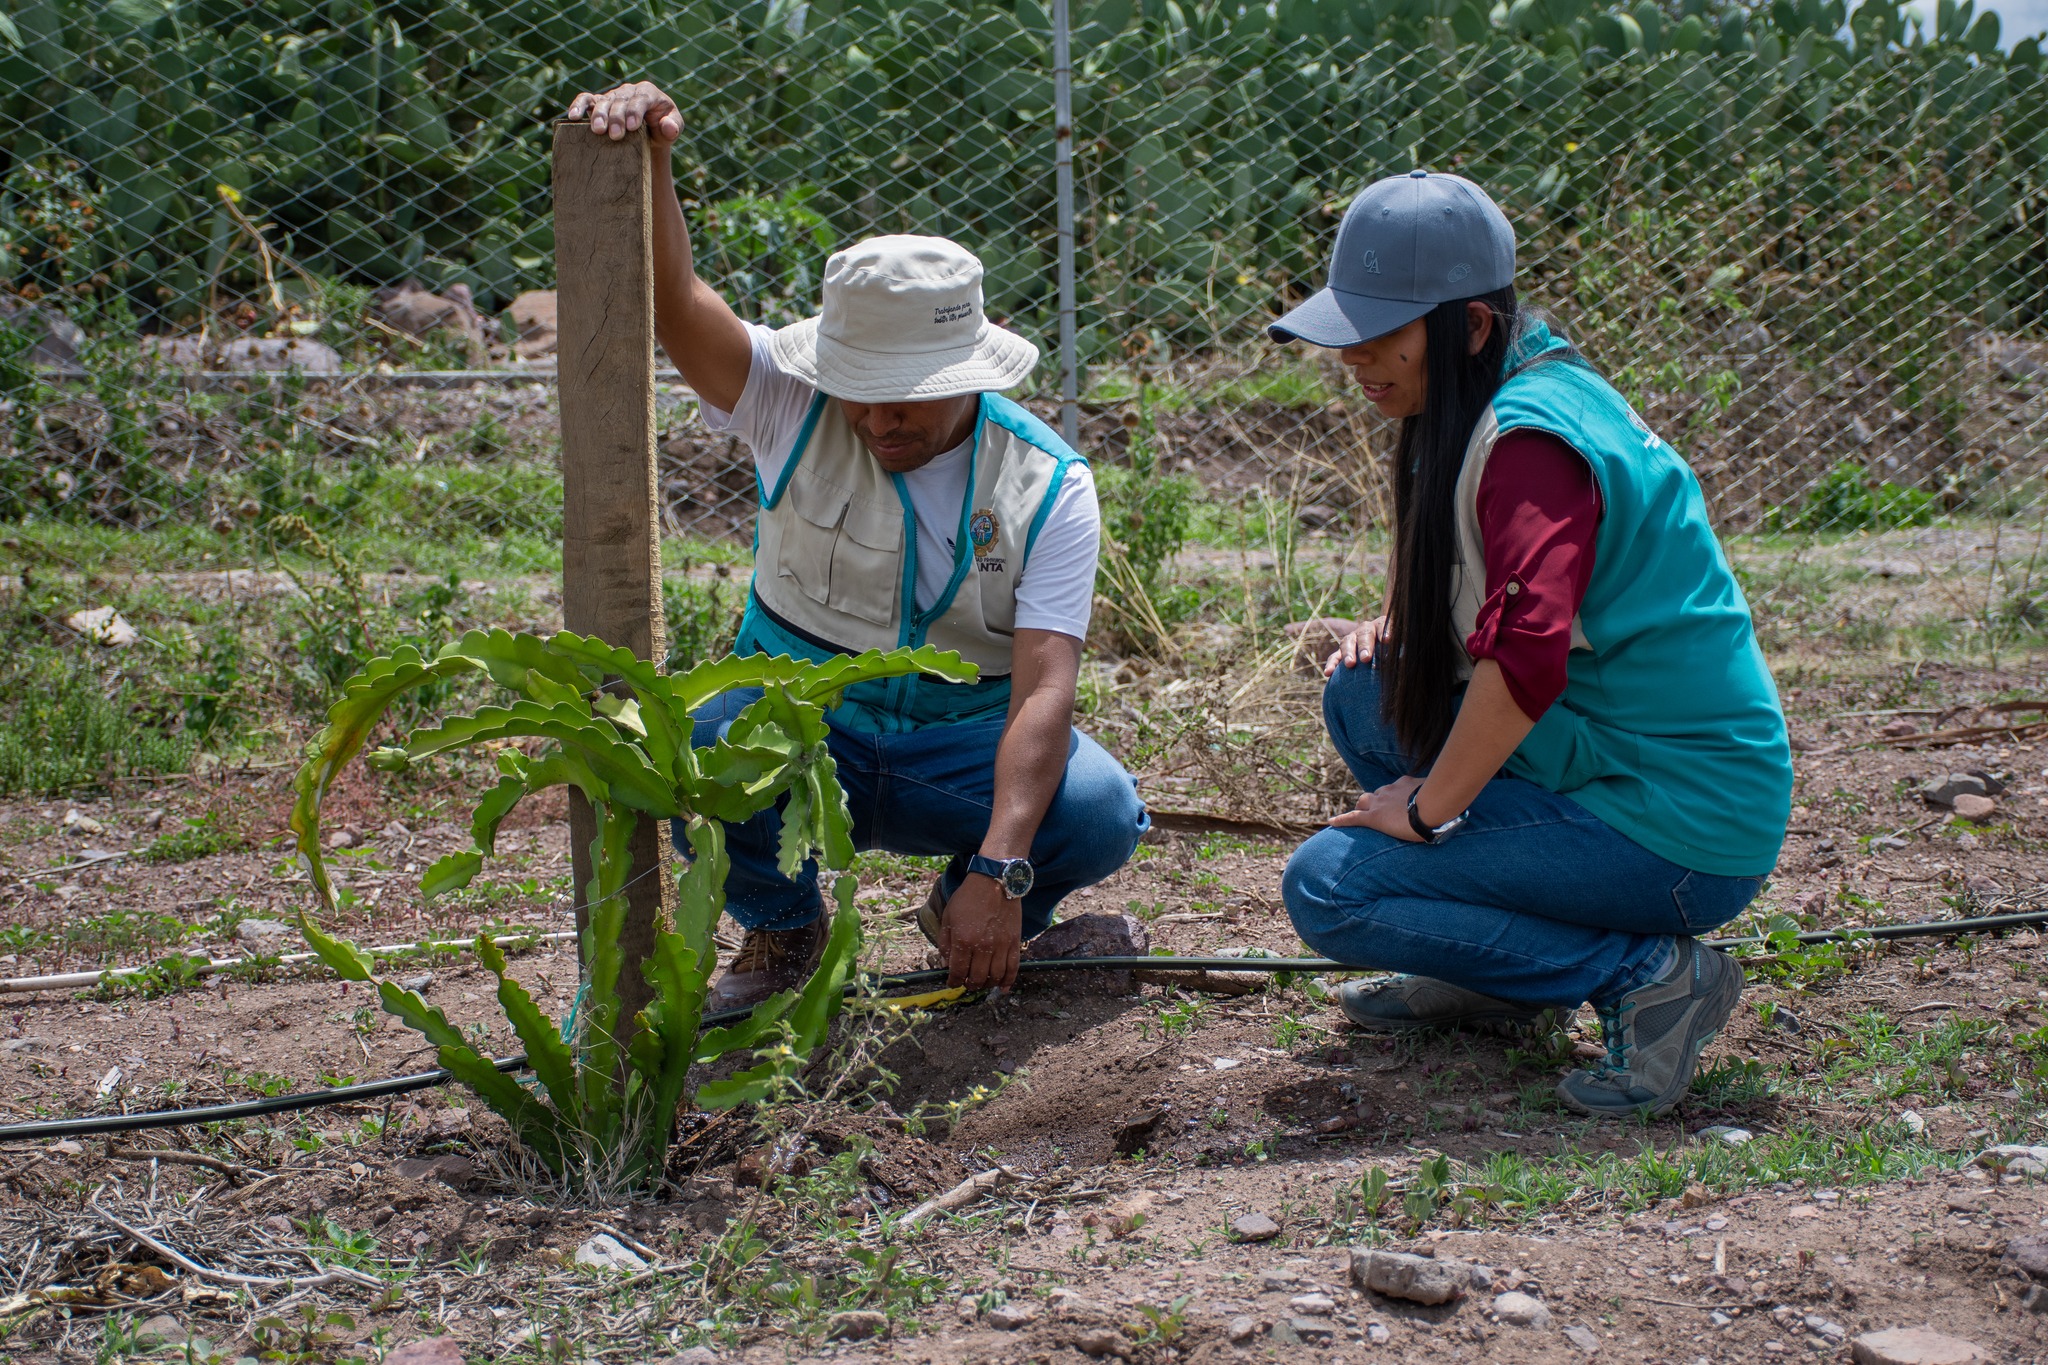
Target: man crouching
(903, 502)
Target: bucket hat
(1407, 244)
(902, 322)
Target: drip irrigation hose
(425, 1080)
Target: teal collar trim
(962, 548)
(796, 452)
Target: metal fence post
(611, 541)
(1063, 187)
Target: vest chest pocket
(867, 562)
(842, 552)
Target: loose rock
(1975, 808)
(1582, 1338)
(103, 626)
(2028, 1255)
(1377, 1333)
(1243, 1329)
(860, 1324)
(1943, 791)
(1314, 1305)
(1419, 1279)
(696, 1355)
(1308, 1329)
(1009, 1317)
(162, 1330)
(606, 1253)
(1100, 1341)
(1254, 1227)
(1722, 1132)
(256, 930)
(1916, 1346)
(1521, 1310)
(2011, 1158)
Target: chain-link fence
(1809, 243)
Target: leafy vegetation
(608, 1092)
(382, 138)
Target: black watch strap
(1425, 831)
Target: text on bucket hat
(901, 322)
(1407, 244)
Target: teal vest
(1669, 729)
(835, 563)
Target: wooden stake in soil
(611, 548)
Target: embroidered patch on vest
(983, 529)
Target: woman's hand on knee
(1357, 647)
(1384, 809)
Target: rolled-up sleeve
(1539, 509)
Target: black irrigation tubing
(425, 1080)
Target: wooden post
(611, 545)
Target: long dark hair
(1422, 666)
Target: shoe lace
(760, 949)
(1614, 1035)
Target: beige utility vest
(835, 554)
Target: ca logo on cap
(1372, 263)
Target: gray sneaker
(1654, 1036)
(1417, 1004)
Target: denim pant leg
(938, 793)
(1535, 899)
(757, 895)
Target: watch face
(1017, 878)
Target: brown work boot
(932, 912)
(769, 960)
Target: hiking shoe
(931, 912)
(1418, 1004)
(1654, 1036)
(768, 961)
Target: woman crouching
(1572, 752)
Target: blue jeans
(1533, 900)
(931, 792)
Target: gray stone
(450, 1170)
(1822, 1327)
(859, 1324)
(1521, 1310)
(2012, 1158)
(1943, 791)
(256, 930)
(2028, 1255)
(1725, 1133)
(1377, 1333)
(696, 1355)
(1419, 1279)
(1243, 1329)
(162, 1330)
(1273, 1279)
(1582, 1338)
(1009, 1317)
(606, 1252)
(1916, 1346)
(1254, 1227)
(1308, 1329)
(1314, 1305)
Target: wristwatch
(1429, 833)
(1014, 875)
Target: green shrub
(1848, 499)
(65, 727)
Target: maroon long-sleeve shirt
(1538, 510)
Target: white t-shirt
(1057, 589)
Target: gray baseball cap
(1407, 244)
